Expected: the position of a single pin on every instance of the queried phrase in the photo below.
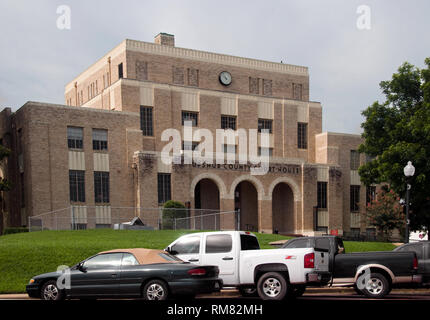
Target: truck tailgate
(321, 261)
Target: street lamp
(409, 171)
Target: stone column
(145, 165)
(265, 224)
(228, 220)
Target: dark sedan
(127, 273)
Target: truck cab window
(300, 243)
(248, 242)
(187, 245)
(218, 243)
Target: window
(146, 121)
(187, 245)
(270, 151)
(189, 116)
(229, 148)
(322, 243)
(248, 242)
(75, 137)
(106, 260)
(228, 122)
(120, 71)
(164, 187)
(355, 232)
(370, 194)
(77, 185)
(129, 260)
(188, 145)
(302, 135)
(100, 139)
(354, 198)
(322, 195)
(301, 243)
(355, 160)
(218, 243)
(101, 187)
(265, 124)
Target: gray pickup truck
(373, 274)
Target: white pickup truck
(274, 273)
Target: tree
(4, 184)
(171, 211)
(397, 131)
(386, 213)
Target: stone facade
(109, 95)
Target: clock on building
(225, 78)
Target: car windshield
(170, 257)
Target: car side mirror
(81, 267)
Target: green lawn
(24, 255)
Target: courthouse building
(102, 148)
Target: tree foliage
(386, 213)
(173, 210)
(397, 131)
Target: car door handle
(114, 275)
(193, 260)
(227, 258)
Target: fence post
(29, 224)
(175, 223)
(73, 217)
(238, 219)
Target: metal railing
(95, 217)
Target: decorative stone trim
(204, 56)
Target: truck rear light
(310, 260)
(197, 272)
(415, 263)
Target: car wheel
(377, 286)
(155, 290)
(50, 291)
(296, 291)
(248, 291)
(272, 286)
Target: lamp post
(409, 171)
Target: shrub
(171, 210)
(12, 230)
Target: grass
(24, 255)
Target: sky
(346, 61)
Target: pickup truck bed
(372, 273)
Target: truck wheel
(377, 286)
(296, 291)
(155, 290)
(272, 286)
(248, 291)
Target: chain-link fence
(95, 217)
